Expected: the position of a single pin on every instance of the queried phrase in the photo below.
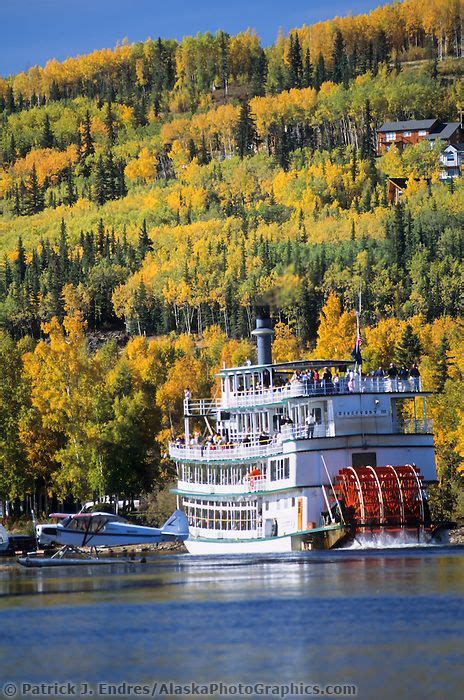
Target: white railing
(249, 484)
(412, 426)
(201, 407)
(305, 432)
(219, 453)
(258, 397)
(247, 450)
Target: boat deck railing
(221, 452)
(259, 396)
(243, 447)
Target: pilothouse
(299, 455)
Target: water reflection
(390, 621)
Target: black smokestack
(264, 334)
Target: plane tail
(176, 526)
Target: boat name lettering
(354, 414)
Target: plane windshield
(91, 523)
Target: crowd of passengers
(216, 441)
(397, 377)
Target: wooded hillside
(161, 190)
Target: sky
(33, 31)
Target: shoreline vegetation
(151, 195)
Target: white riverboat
(294, 461)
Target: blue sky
(32, 31)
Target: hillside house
(452, 161)
(410, 132)
(397, 186)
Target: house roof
(399, 182)
(448, 130)
(459, 147)
(411, 125)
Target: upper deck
(253, 386)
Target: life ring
(252, 483)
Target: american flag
(356, 353)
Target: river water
(390, 622)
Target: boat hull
(317, 538)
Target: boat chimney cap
(264, 333)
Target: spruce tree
(140, 112)
(100, 188)
(70, 196)
(144, 242)
(245, 133)
(258, 73)
(296, 62)
(47, 139)
(121, 179)
(339, 59)
(192, 149)
(34, 196)
(320, 75)
(224, 40)
(141, 309)
(110, 125)
(203, 155)
(383, 49)
(307, 70)
(408, 350)
(441, 365)
(111, 177)
(88, 148)
(63, 251)
(20, 262)
(10, 106)
(367, 137)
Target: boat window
(280, 469)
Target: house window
(422, 132)
(390, 136)
(406, 133)
(450, 157)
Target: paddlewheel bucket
(381, 496)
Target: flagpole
(358, 325)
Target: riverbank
(457, 536)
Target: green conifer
(47, 139)
(408, 350)
(245, 133)
(34, 196)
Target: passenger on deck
(415, 376)
(403, 376)
(327, 375)
(310, 424)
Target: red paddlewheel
(381, 495)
